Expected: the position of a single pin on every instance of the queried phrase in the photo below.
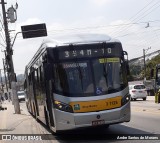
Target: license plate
(140, 91)
(98, 122)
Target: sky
(136, 23)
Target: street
(69, 69)
(145, 117)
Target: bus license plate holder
(98, 122)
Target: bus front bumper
(68, 121)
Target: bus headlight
(63, 106)
(125, 99)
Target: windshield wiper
(105, 71)
(80, 74)
(79, 68)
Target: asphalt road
(145, 119)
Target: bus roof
(78, 39)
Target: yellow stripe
(96, 105)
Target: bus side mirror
(126, 63)
(128, 71)
(152, 73)
(127, 67)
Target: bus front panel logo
(76, 107)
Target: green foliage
(138, 73)
(152, 65)
(135, 72)
(130, 78)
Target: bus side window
(35, 78)
(42, 80)
(29, 78)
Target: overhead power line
(105, 26)
(147, 10)
(142, 9)
(138, 15)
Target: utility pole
(9, 53)
(4, 68)
(1, 81)
(144, 57)
(144, 64)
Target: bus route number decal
(111, 103)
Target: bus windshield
(109, 75)
(75, 79)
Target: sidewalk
(148, 106)
(151, 98)
(23, 123)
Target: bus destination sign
(84, 53)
